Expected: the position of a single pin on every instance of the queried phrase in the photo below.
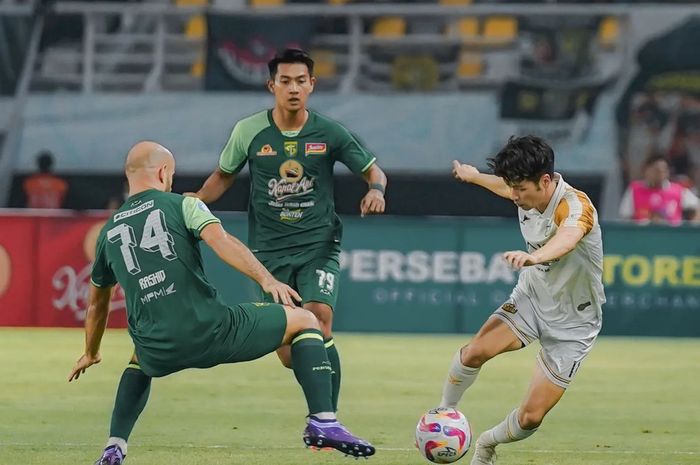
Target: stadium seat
(389, 27)
(470, 65)
(266, 3)
(456, 2)
(196, 29)
(466, 28)
(608, 32)
(324, 63)
(338, 2)
(500, 29)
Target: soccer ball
(443, 435)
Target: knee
(307, 320)
(530, 418)
(474, 355)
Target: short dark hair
(525, 158)
(44, 161)
(290, 55)
(653, 158)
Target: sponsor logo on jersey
(291, 171)
(134, 211)
(583, 306)
(291, 216)
(509, 307)
(266, 151)
(291, 147)
(158, 294)
(315, 148)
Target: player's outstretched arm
(214, 187)
(468, 173)
(95, 324)
(563, 242)
(373, 202)
(236, 254)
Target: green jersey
(150, 247)
(291, 187)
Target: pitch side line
(387, 449)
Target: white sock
(119, 442)
(508, 430)
(459, 378)
(325, 415)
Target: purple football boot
(112, 455)
(321, 434)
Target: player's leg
(317, 280)
(260, 329)
(313, 371)
(522, 422)
(132, 395)
(494, 337)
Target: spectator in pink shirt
(656, 199)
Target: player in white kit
(558, 296)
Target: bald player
(557, 299)
(149, 246)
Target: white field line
(602, 451)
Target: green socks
(312, 370)
(132, 395)
(334, 358)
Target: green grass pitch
(634, 402)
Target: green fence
(445, 275)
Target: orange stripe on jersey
(585, 221)
(562, 212)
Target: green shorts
(313, 271)
(250, 331)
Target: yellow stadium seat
(466, 28)
(266, 3)
(338, 2)
(609, 31)
(191, 2)
(456, 2)
(470, 65)
(324, 63)
(501, 28)
(389, 27)
(196, 27)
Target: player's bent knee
(530, 419)
(474, 356)
(300, 319)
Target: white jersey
(573, 282)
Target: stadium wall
(446, 276)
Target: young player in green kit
(176, 320)
(293, 228)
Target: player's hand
(518, 259)
(372, 203)
(281, 293)
(464, 173)
(83, 363)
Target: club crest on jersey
(315, 148)
(291, 147)
(266, 151)
(509, 307)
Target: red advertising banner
(51, 286)
(17, 237)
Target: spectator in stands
(656, 199)
(44, 189)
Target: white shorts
(565, 342)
